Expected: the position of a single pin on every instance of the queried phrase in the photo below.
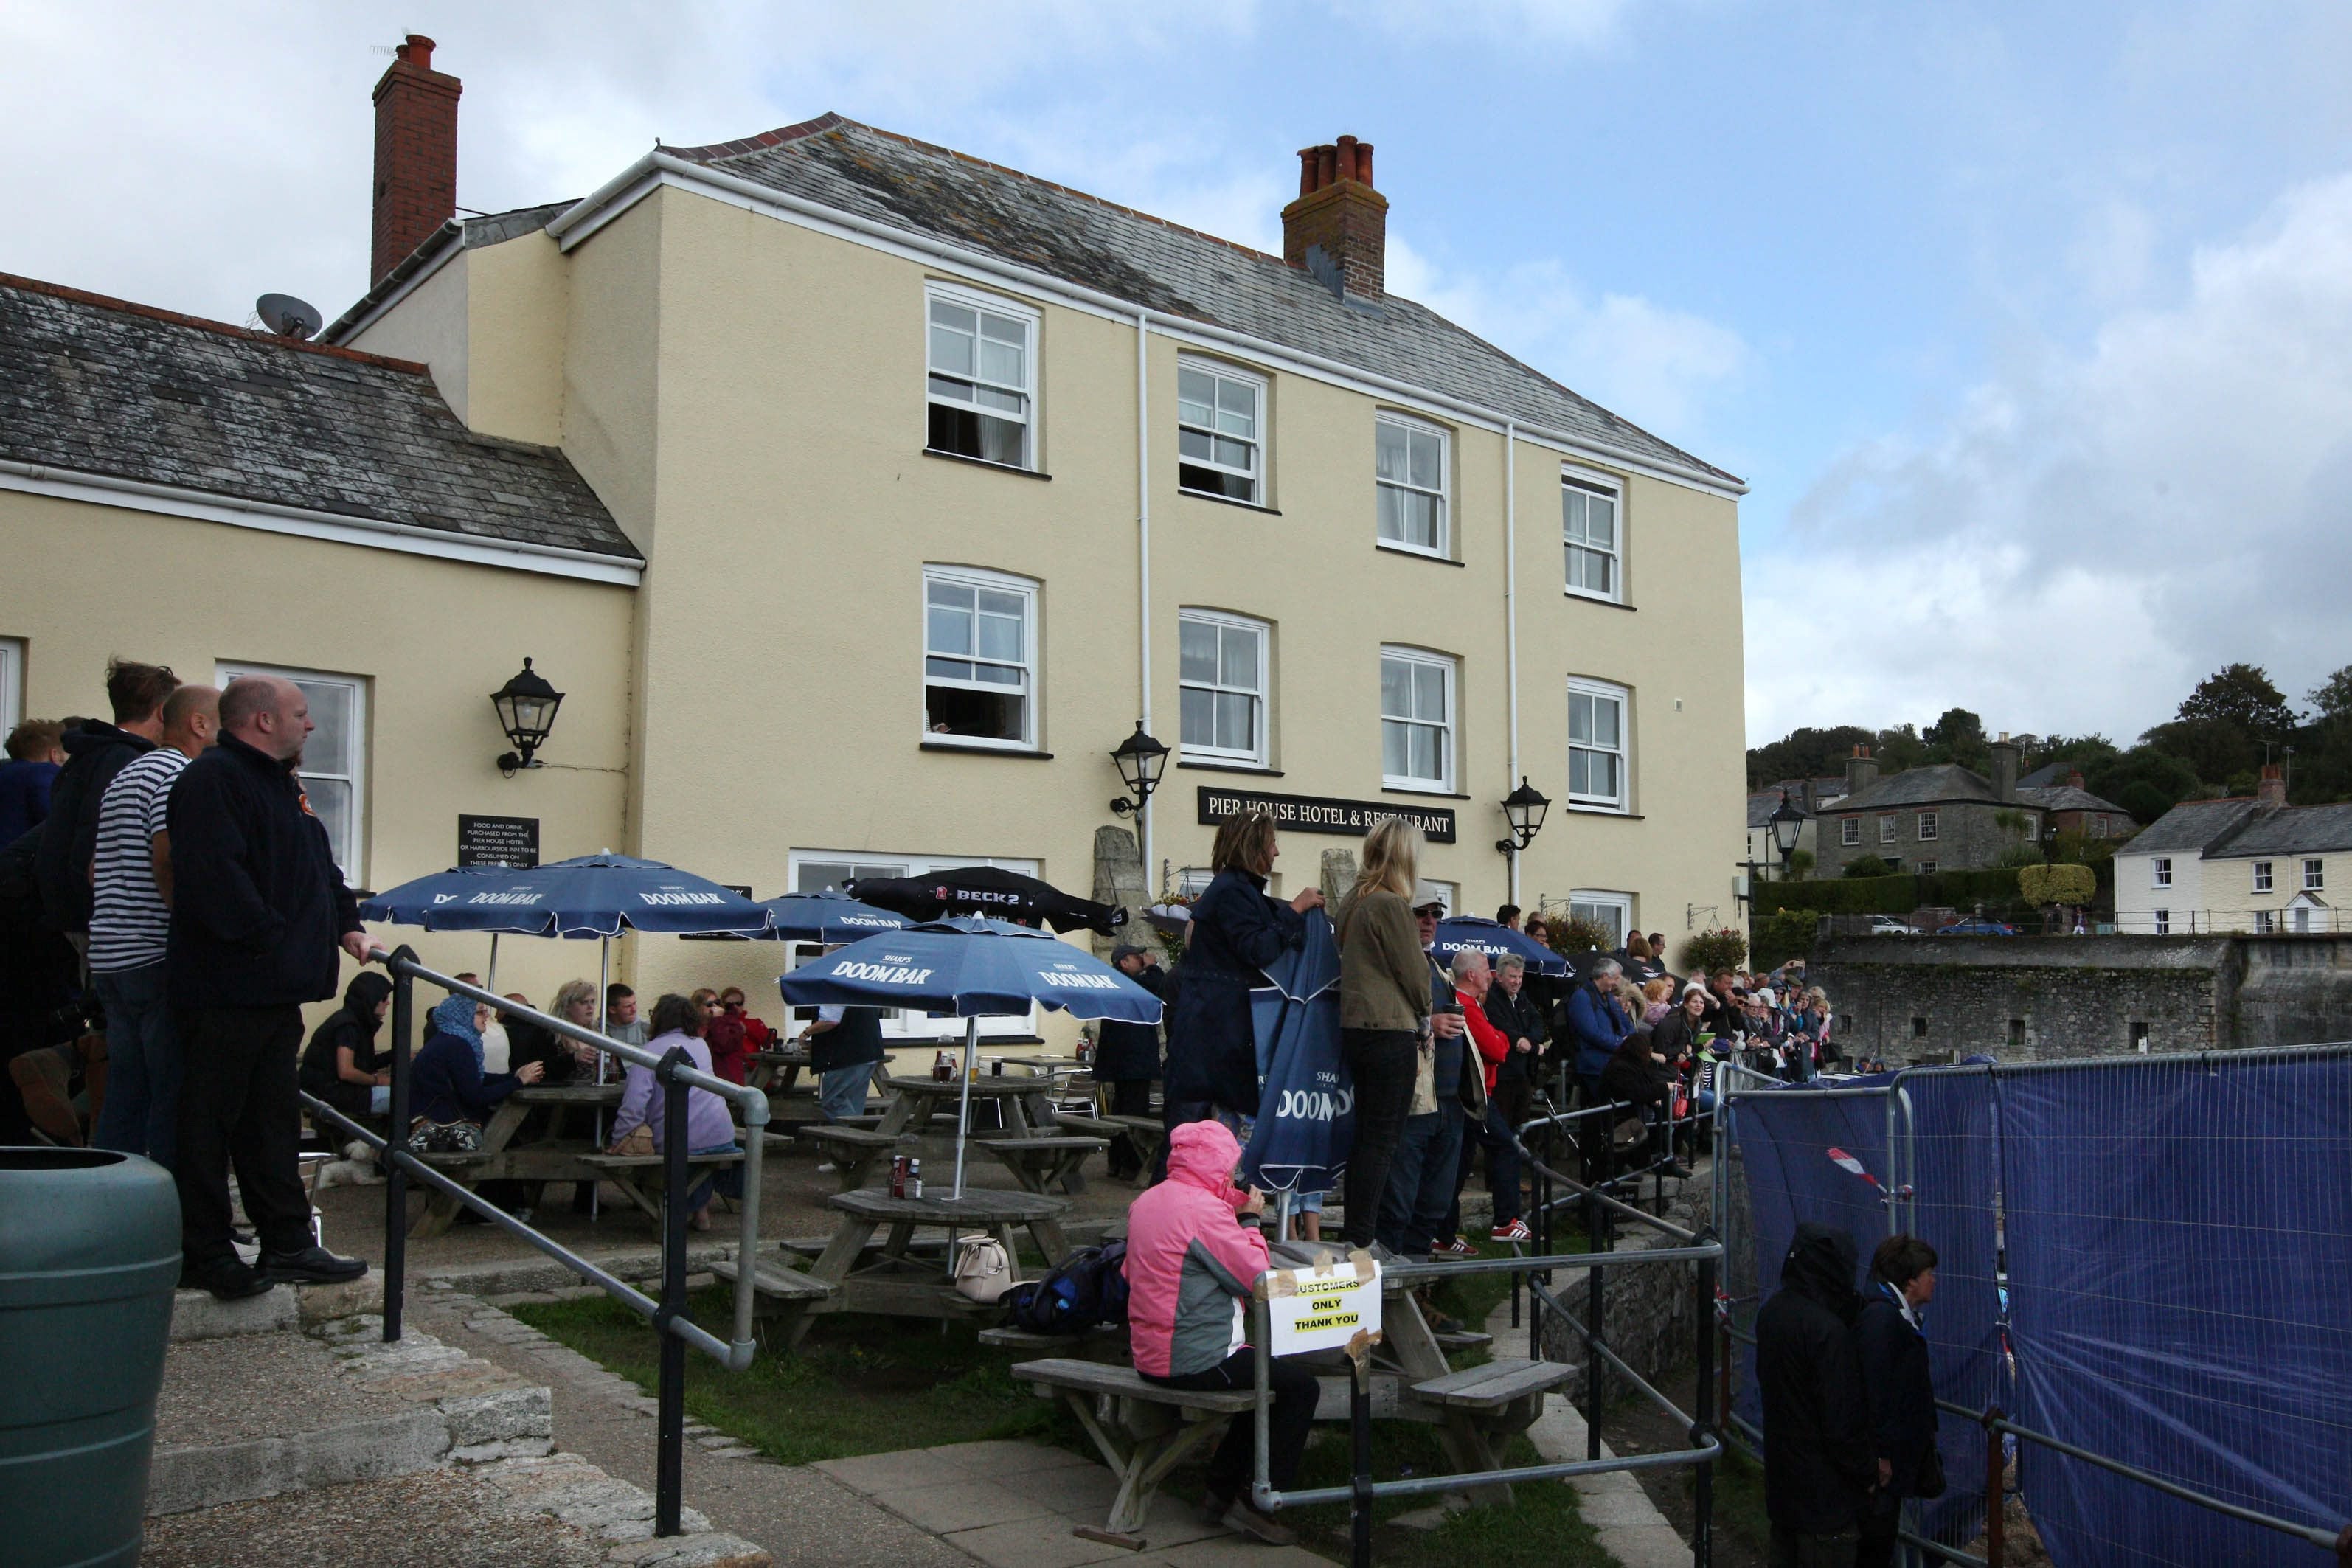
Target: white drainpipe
(1511, 611)
(1143, 557)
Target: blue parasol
(589, 895)
(970, 969)
(1306, 1117)
(827, 918)
(1471, 933)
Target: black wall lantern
(1140, 759)
(1788, 826)
(526, 705)
(1525, 807)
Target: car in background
(1887, 925)
(1978, 926)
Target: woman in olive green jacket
(1384, 998)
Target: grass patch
(857, 1385)
(1739, 1500)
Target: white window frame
(2265, 922)
(1449, 894)
(1030, 664)
(1601, 486)
(351, 857)
(2262, 876)
(2163, 921)
(2159, 871)
(903, 1025)
(1261, 692)
(1256, 441)
(1888, 827)
(1926, 826)
(11, 684)
(1191, 881)
(1927, 867)
(2315, 875)
(1448, 725)
(1850, 833)
(2099, 826)
(1442, 549)
(1590, 902)
(1026, 390)
(1603, 690)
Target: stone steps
(288, 1408)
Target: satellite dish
(289, 317)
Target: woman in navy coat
(1236, 931)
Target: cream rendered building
(942, 476)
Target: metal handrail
(669, 1314)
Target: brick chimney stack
(416, 154)
(1339, 215)
(1860, 771)
(2271, 790)
(2004, 769)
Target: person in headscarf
(342, 1065)
(447, 1082)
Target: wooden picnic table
(1029, 1140)
(555, 1156)
(895, 1282)
(785, 1064)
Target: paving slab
(437, 1516)
(250, 1385)
(1042, 1543)
(966, 1505)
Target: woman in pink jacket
(1192, 1253)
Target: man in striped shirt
(130, 922)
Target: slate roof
(1926, 785)
(2289, 830)
(2066, 798)
(2191, 826)
(103, 386)
(951, 196)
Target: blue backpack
(1086, 1288)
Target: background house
(1947, 817)
(2255, 865)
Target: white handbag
(982, 1270)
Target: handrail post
(1994, 1509)
(395, 1178)
(1703, 1424)
(669, 1472)
(1596, 1237)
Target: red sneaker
(1454, 1246)
(1515, 1231)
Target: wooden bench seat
(852, 1150)
(1494, 1384)
(1038, 1162)
(774, 1280)
(1142, 1430)
(655, 1162)
(1104, 1342)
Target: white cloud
(1658, 366)
(2091, 532)
(1577, 23)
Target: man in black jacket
(1820, 1459)
(94, 754)
(1893, 1346)
(1127, 1056)
(257, 912)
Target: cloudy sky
(2030, 325)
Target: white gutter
(375, 534)
(658, 167)
(1143, 559)
(1511, 613)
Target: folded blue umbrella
(828, 917)
(970, 968)
(1306, 1120)
(590, 895)
(1472, 933)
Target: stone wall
(1647, 1310)
(2047, 998)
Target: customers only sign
(1323, 814)
(1323, 1308)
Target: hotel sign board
(1322, 814)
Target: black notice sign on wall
(497, 841)
(1319, 813)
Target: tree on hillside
(2242, 695)
(1899, 749)
(2321, 769)
(1805, 754)
(1957, 737)
(2145, 780)
(2078, 752)
(2333, 696)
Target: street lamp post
(1524, 809)
(1788, 825)
(525, 707)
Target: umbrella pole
(963, 1111)
(604, 987)
(1281, 1217)
(490, 982)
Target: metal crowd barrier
(669, 1314)
(1705, 1443)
